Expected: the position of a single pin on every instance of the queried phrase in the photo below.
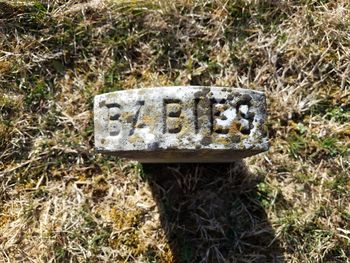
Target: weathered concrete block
(181, 124)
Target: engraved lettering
(135, 119)
(114, 125)
(195, 115)
(220, 121)
(221, 116)
(181, 124)
(172, 109)
(245, 115)
(202, 116)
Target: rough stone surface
(181, 124)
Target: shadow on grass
(212, 213)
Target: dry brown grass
(61, 202)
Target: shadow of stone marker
(212, 212)
(184, 124)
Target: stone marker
(181, 124)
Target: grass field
(62, 202)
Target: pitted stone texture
(181, 124)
